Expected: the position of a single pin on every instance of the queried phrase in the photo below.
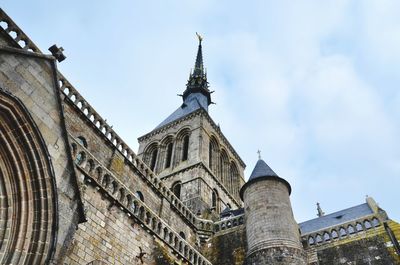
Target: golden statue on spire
(199, 37)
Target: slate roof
(192, 103)
(197, 95)
(334, 219)
(262, 170)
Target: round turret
(272, 233)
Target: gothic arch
(166, 151)
(234, 179)
(182, 132)
(224, 167)
(182, 145)
(215, 200)
(28, 204)
(177, 189)
(213, 154)
(151, 155)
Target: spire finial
(199, 37)
(197, 82)
(259, 154)
(320, 212)
(198, 66)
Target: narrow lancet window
(185, 150)
(153, 159)
(169, 155)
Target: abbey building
(73, 192)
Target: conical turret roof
(261, 172)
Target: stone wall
(30, 78)
(227, 247)
(112, 160)
(272, 234)
(109, 235)
(279, 255)
(107, 197)
(372, 246)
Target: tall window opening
(224, 164)
(213, 156)
(153, 159)
(185, 150)
(214, 200)
(169, 155)
(176, 189)
(221, 168)
(210, 155)
(234, 180)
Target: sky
(312, 84)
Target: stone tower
(190, 154)
(272, 233)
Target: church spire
(197, 83)
(198, 67)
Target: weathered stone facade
(73, 192)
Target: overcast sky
(313, 84)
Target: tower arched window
(221, 167)
(224, 165)
(210, 155)
(185, 148)
(176, 189)
(233, 185)
(182, 235)
(169, 155)
(213, 155)
(214, 200)
(153, 159)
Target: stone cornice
(169, 125)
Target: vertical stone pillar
(273, 235)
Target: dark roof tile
(334, 219)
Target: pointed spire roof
(198, 66)
(262, 172)
(196, 95)
(197, 82)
